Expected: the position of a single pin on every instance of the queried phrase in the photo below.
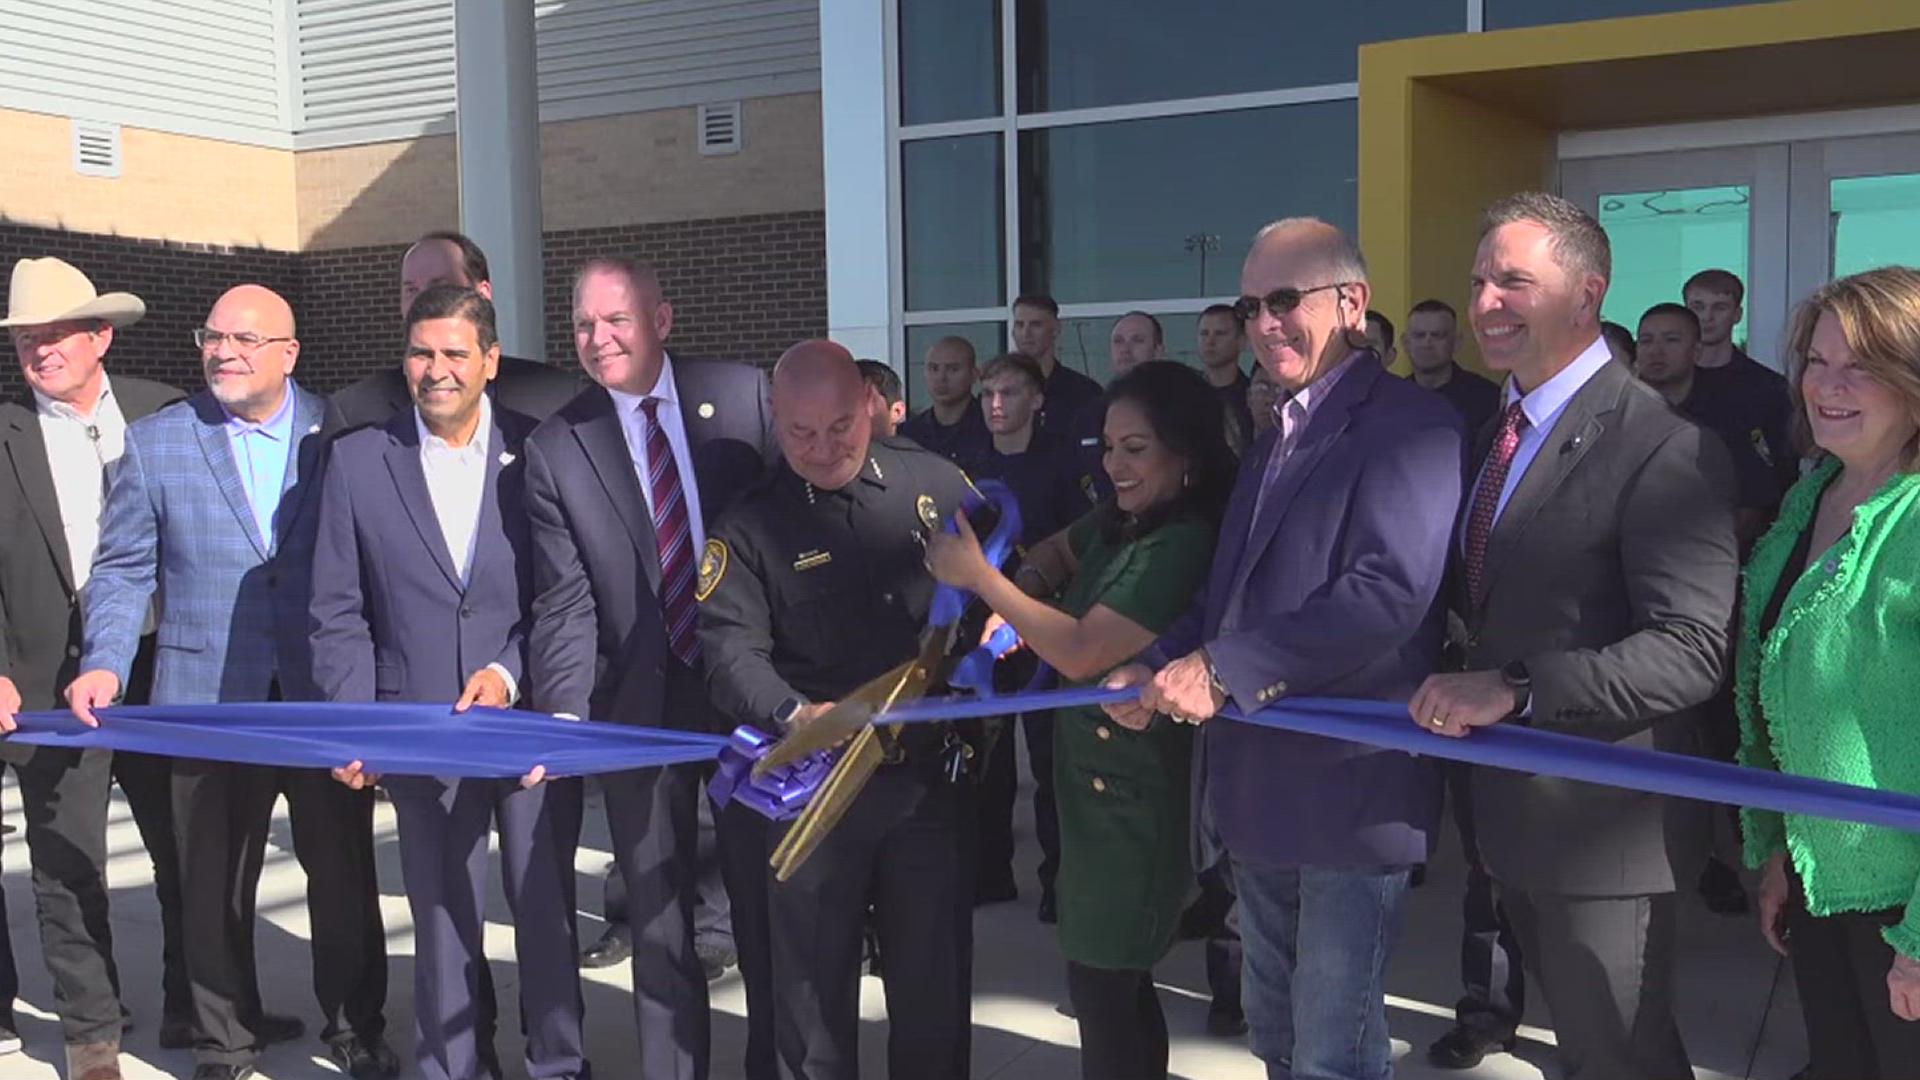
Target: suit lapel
(491, 528)
(410, 480)
(303, 445)
(1239, 520)
(605, 444)
(699, 417)
(1572, 437)
(27, 451)
(211, 432)
(1324, 428)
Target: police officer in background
(813, 583)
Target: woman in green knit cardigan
(1830, 643)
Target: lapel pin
(314, 429)
(506, 457)
(706, 410)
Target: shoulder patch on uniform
(713, 567)
(929, 512)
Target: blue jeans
(1316, 942)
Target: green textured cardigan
(1834, 685)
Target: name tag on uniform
(811, 559)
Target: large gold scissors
(852, 717)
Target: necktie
(1290, 416)
(1486, 498)
(673, 533)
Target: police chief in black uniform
(813, 583)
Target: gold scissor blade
(835, 726)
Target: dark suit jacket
(1611, 574)
(528, 387)
(1339, 584)
(599, 641)
(391, 619)
(39, 613)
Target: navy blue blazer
(390, 618)
(599, 641)
(1340, 581)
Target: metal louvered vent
(96, 148)
(720, 128)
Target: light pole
(1205, 243)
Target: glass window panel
(1080, 53)
(949, 61)
(954, 239)
(1875, 222)
(1165, 208)
(1082, 344)
(989, 340)
(1502, 14)
(1662, 238)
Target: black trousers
(1123, 1032)
(147, 782)
(1491, 968)
(712, 917)
(744, 849)
(1222, 920)
(1840, 963)
(221, 817)
(905, 845)
(998, 792)
(64, 793)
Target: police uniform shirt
(808, 593)
(1757, 485)
(1474, 398)
(1068, 394)
(1047, 484)
(1239, 414)
(962, 443)
(1755, 396)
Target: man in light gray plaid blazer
(212, 514)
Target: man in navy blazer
(1326, 582)
(619, 485)
(211, 515)
(422, 580)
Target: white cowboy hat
(50, 291)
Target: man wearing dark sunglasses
(1331, 556)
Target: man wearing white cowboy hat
(63, 437)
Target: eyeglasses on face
(246, 343)
(1279, 303)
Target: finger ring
(1436, 720)
(1180, 718)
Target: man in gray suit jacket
(210, 514)
(1597, 576)
(422, 577)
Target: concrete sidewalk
(1728, 976)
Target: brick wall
(742, 288)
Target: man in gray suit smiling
(1597, 573)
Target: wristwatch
(1213, 676)
(1521, 683)
(784, 712)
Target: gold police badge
(929, 512)
(713, 567)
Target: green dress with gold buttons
(1123, 796)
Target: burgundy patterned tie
(1486, 498)
(673, 532)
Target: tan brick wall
(645, 168)
(171, 187)
(604, 172)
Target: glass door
(1855, 206)
(1671, 215)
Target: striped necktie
(673, 532)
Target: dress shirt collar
(475, 447)
(1544, 403)
(663, 388)
(278, 427)
(60, 410)
(1310, 396)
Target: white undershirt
(81, 452)
(457, 484)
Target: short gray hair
(1325, 248)
(1579, 244)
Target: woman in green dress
(1117, 578)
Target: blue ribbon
(1507, 746)
(390, 738)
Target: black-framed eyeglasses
(246, 343)
(1279, 303)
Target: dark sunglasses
(1279, 303)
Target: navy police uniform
(805, 595)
